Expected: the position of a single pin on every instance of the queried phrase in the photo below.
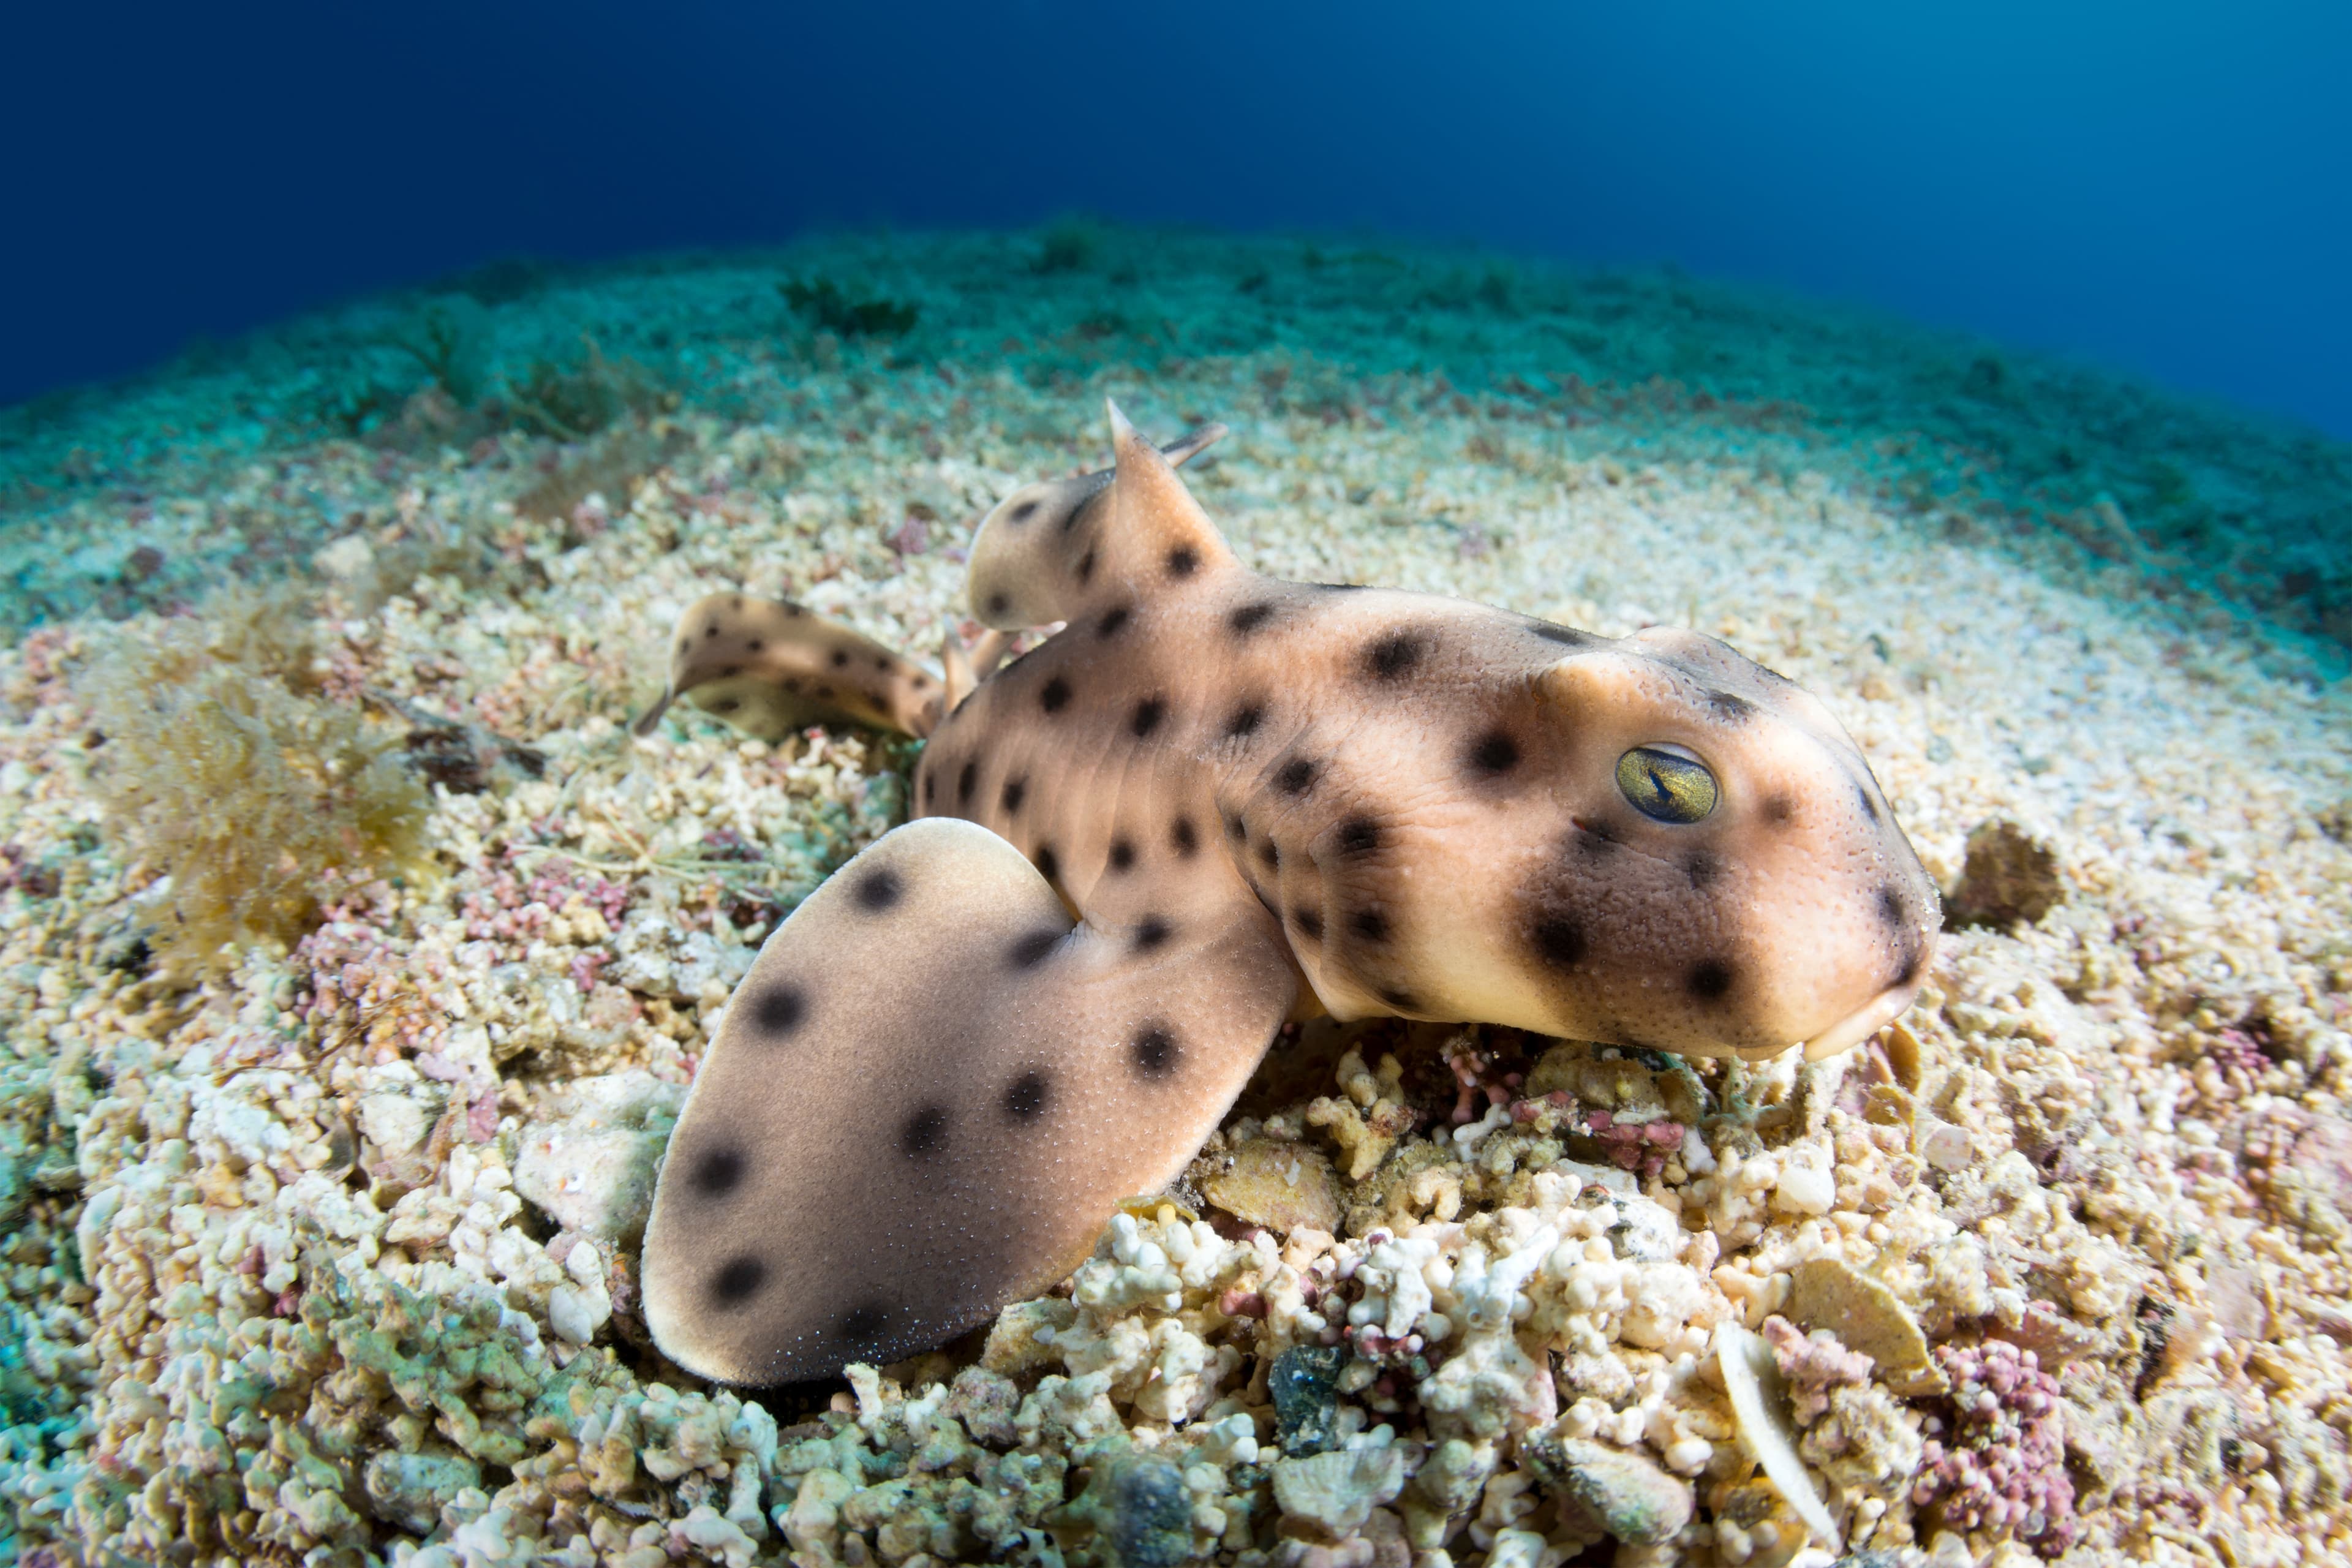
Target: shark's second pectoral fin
(927, 1096)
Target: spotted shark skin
(1212, 803)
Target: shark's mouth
(1862, 1022)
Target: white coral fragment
(1491, 1384)
(1752, 1381)
(1396, 1291)
(1338, 1490)
(1806, 1185)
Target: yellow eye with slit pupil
(1668, 786)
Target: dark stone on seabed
(1137, 1505)
(2010, 879)
(1306, 1403)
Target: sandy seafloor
(323, 1252)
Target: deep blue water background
(2162, 187)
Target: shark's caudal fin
(769, 667)
(1051, 549)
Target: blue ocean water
(2159, 187)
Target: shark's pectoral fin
(926, 1099)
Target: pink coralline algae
(1814, 1365)
(913, 537)
(514, 905)
(474, 1090)
(726, 843)
(1474, 1077)
(2001, 1462)
(2240, 1050)
(1635, 1145)
(587, 967)
(1638, 1146)
(362, 982)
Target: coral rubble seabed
(323, 1206)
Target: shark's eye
(1667, 783)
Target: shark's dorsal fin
(1051, 551)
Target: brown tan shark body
(1212, 802)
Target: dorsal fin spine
(1145, 485)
